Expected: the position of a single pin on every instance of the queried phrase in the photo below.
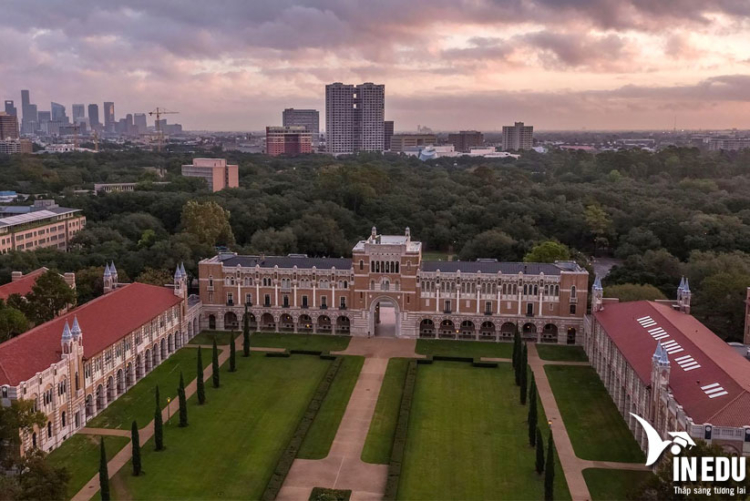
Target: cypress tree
(549, 474)
(539, 452)
(245, 334)
(515, 351)
(136, 441)
(523, 375)
(158, 425)
(517, 357)
(201, 387)
(215, 364)
(232, 353)
(533, 415)
(103, 472)
(183, 403)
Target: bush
(322, 494)
(280, 354)
(399, 438)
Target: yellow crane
(158, 112)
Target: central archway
(385, 317)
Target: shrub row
(306, 352)
(402, 428)
(323, 494)
(476, 362)
(282, 354)
(290, 453)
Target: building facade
(49, 226)
(109, 116)
(485, 299)
(310, 119)
(465, 140)
(288, 140)
(13, 146)
(217, 173)
(400, 142)
(8, 126)
(355, 118)
(388, 127)
(518, 137)
(660, 363)
(74, 366)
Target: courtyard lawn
(596, 428)
(437, 256)
(80, 456)
(138, 402)
(468, 438)
(613, 485)
(473, 349)
(207, 337)
(233, 442)
(558, 353)
(291, 341)
(383, 426)
(319, 438)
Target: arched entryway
(230, 321)
(529, 332)
(487, 330)
(120, 382)
(427, 328)
(549, 333)
(385, 317)
(324, 324)
(572, 335)
(148, 361)
(89, 406)
(508, 330)
(286, 323)
(467, 330)
(212, 322)
(304, 324)
(342, 325)
(447, 329)
(267, 323)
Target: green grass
(80, 456)
(613, 485)
(319, 438)
(468, 438)
(560, 353)
(138, 402)
(207, 337)
(596, 428)
(320, 342)
(234, 441)
(464, 348)
(383, 426)
(437, 256)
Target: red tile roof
(698, 359)
(21, 286)
(103, 321)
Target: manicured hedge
(290, 453)
(450, 358)
(426, 360)
(478, 362)
(306, 352)
(323, 494)
(281, 354)
(402, 428)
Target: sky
(234, 65)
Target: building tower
(67, 340)
(660, 370)
(597, 295)
(683, 296)
(354, 117)
(110, 278)
(180, 281)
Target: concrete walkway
(343, 468)
(105, 431)
(121, 458)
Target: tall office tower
(140, 124)
(8, 126)
(94, 116)
(354, 117)
(58, 113)
(10, 108)
(109, 117)
(465, 140)
(30, 120)
(387, 134)
(79, 113)
(518, 137)
(310, 119)
(44, 117)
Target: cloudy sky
(447, 64)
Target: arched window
(387, 266)
(372, 266)
(210, 281)
(361, 265)
(573, 291)
(62, 418)
(49, 429)
(397, 263)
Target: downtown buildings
(518, 137)
(355, 118)
(309, 119)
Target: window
(342, 303)
(230, 298)
(286, 301)
(488, 307)
(62, 418)
(448, 305)
(210, 281)
(5, 392)
(323, 302)
(304, 301)
(361, 265)
(572, 309)
(267, 300)
(573, 291)
(248, 299)
(530, 309)
(49, 429)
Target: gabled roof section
(300, 261)
(492, 266)
(21, 286)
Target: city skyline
(451, 65)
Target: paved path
(105, 431)
(121, 458)
(343, 468)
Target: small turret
(408, 234)
(76, 330)
(107, 279)
(373, 233)
(67, 339)
(597, 295)
(684, 295)
(180, 281)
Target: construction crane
(158, 112)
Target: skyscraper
(58, 113)
(30, 120)
(79, 113)
(140, 124)
(354, 117)
(8, 126)
(10, 108)
(94, 116)
(518, 137)
(109, 116)
(388, 134)
(310, 119)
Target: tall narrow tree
(515, 352)
(158, 425)
(103, 472)
(232, 353)
(135, 440)
(549, 474)
(215, 365)
(523, 374)
(246, 333)
(201, 387)
(539, 452)
(183, 403)
(533, 414)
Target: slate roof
(289, 262)
(510, 268)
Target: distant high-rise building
(354, 117)
(109, 116)
(215, 171)
(140, 124)
(29, 123)
(10, 108)
(518, 137)
(44, 117)
(58, 113)
(309, 119)
(94, 116)
(288, 140)
(387, 134)
(8, 126)
(400, 142)
(466, 139)
(79, 113)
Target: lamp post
(169, 410)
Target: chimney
(16, 275)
